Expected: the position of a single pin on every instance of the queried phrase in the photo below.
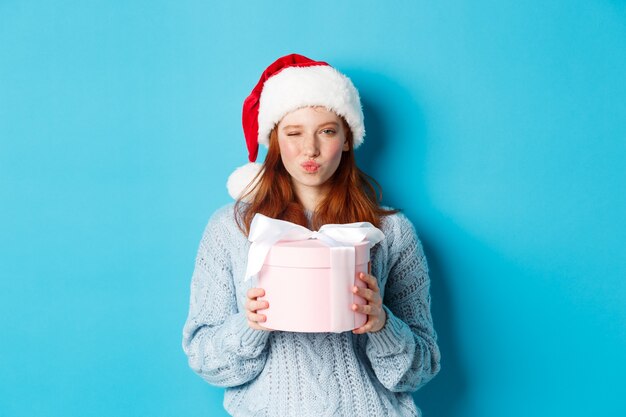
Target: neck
(310, 197)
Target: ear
(346, 146)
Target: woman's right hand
(252, 305)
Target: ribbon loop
(265, 232)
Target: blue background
(498, 126)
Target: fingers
(374, 323)
(256, 326)
(366, 328)
(376, 316)
(370, 280)
(252, 305)
(255, 317)
(369, 309)
(369, 295)
(255, 292)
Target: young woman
(309, 115)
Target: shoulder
(400, 234)
(223, 214)
(223, 221)
(397, 225)
(222, 236)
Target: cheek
(288, 151)
(334, 150)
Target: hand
(252, 305)
(376, 316)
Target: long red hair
(351, 198)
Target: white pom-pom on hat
(240, 178)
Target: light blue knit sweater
(282, 374)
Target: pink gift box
(303, 291)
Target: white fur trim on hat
(240, 178)
(317, 85)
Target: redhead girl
(309, 115)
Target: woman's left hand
(376, 316)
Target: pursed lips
(310, 166)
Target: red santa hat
(291, 82)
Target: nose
(310, 146)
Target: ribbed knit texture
(282, 374)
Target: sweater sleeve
(404, 353)
(217, 340)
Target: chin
(311, 181)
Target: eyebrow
(299, 126)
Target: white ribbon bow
(265, 232)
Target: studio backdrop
(497, 127)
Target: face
(311, 141)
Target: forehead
(303, 115)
